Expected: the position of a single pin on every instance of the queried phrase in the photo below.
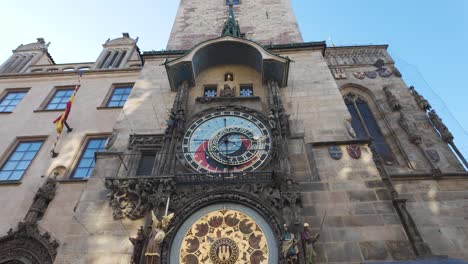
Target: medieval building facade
(223, 148)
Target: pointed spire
(231, 27)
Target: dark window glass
(371, 124)
(355, 121)
(19, 160)
(86, 162)
(246, 90)
(105, 59)
(145, 168)
(119, 96)
(114, 57)
(234, 2)
(8, 103)
(121, 58)
(60, 99)
(210, 91)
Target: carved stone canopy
(224, 51)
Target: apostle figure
(227, 91)
(158, 233)
(308, 239)
(290, 249)
(137, 246)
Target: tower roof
(231, 27)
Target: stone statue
(420, 100)
(392, 99)
(158, 233)
(308, 239)
(410, 129)
(272, 120)
(227, 91)
(284, 121)
(137, 242)
(289, 248)
(349, 127)
(447, 137)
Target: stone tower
(265, 22)
(240, 143)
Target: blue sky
(427, 38)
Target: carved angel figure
(158, 233)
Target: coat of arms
(354, 151)
(371, 74)
(433, 155)
(384, 72)
(335, 152)
(359, 75)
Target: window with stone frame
(86, 162)
(119, 96)
(19, 160)
(145, 167)
(246, 90)
(365, 126)
(210, 91)
(59, 99)
(10, 100)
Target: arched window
(114, 57)
(366, 126)
(105, 59)
(122, 55)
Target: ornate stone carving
(392, 100)
(355, 55)
(132, 197)
(145, 140)
(27, 242)
(338, 73)
(111, 139)
(436, 121)
(410, 129)
(422, 103)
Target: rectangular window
(246, 90)
(60, 99)
(119, 96)
(86, 163)
(11, 99)
(145, 168)
(19, 160)
(211, 91)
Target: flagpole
(62, 119)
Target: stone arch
(207, 199)
(27, 245)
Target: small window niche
(246, 90)
(210, 91)
(229, 77)
(145, 167)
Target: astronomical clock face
(228, 141)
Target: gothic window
(246, 90)
(145, 168)
(366, 126)
(11, 99)
(86, 162)
(210, 91)
(114, 57)
(60, 99)
(119, 96)
(19, 160)
(105, 59)
(122, 56)
(234, 2)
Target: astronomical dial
(227, 141)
